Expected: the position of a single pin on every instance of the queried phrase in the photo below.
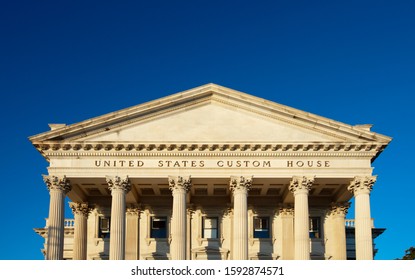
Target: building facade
(208, 173)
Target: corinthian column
(179, 187)
(80, 211)
(240, 187)
(337, 230)
(119, 188)
(361, 187)
(300, 186)
(58, 188)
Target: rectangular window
(315, 227)
(104, 227)
(261, 227)
(158, 227)
(210, 227)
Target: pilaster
(132, 236)
(190, 212)
(285, 235)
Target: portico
(209, 173)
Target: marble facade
(208, 173)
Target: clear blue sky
(66, 61)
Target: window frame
(314, 227)
(104, 231)
(156, 232)
(257, 231)
(212, 228)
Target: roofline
(206, 91)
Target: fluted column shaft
(240, 187)
(300, 186)
(80, 211)
(338, 230)
(361, 188)
(119, 188)
(179, 187)
(58, 188)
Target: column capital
(190, 210)
(301, 184)
(117, 183)
(339, 209)
(228, 211)
(240, 183)
(179, 183)
(81, 208)
(286, 210)
(361, 184)
(57, 183)
(133, 210)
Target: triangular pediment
(210, 122)
(210, 114)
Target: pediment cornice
(369, 149)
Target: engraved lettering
(308, 163)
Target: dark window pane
(104, 227)
(158, 227)
(261, 234)
(261, 227)
(315, 227)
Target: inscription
(308, 163)
(212, 163)
(119, 163)
(181, 163)
(243, 163)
